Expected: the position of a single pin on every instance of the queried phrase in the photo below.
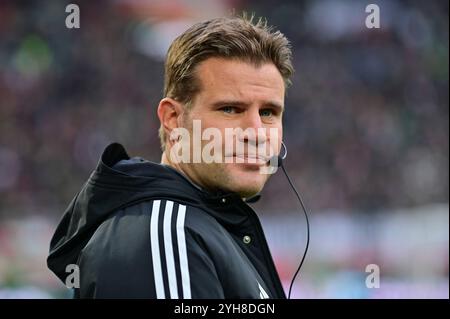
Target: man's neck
(166, 161)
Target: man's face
(236, 94)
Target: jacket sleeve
(204, 280)
(181, 265)
(148, 251)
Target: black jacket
(138, 229)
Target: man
(182, 228)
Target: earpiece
(277, 160)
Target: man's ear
(169, 112)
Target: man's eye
(266, 112)
(228, 109)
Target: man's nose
(253, 124)
(252, 119)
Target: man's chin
(248, 184)
(246, 191)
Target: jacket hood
(118, 182)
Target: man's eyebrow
(229, 103)
(275, 105)
(222, 103)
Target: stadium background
(366, 125)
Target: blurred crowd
(366, 120)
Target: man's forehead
(233, 70)
(237, 80)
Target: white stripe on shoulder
(168, 248)
(156, 257)
(185, 278)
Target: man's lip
(256, 160)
